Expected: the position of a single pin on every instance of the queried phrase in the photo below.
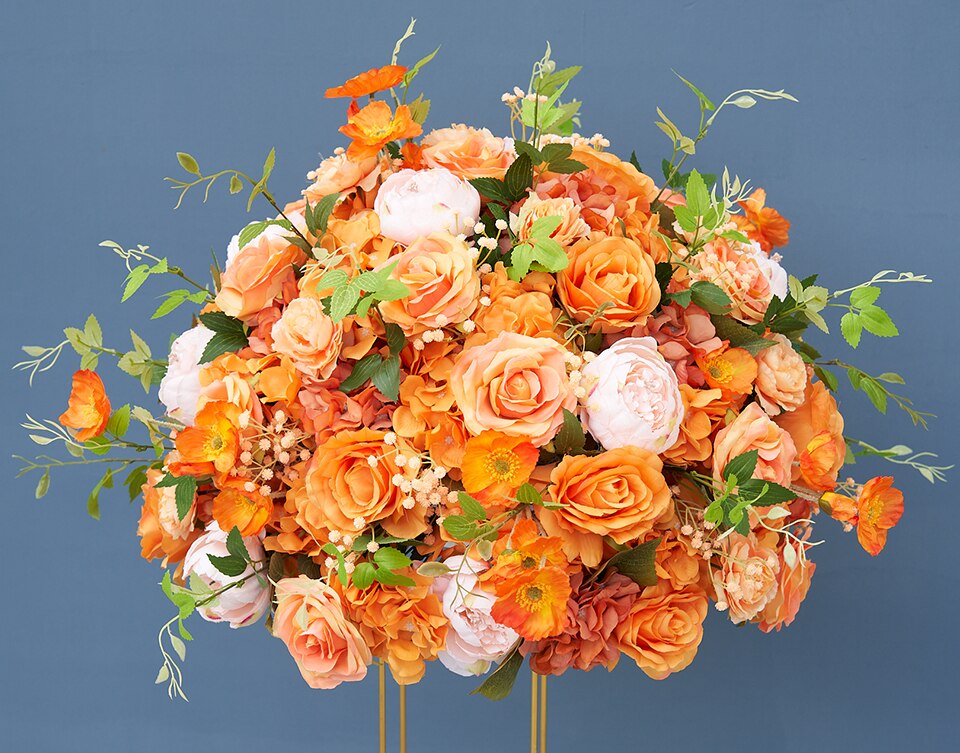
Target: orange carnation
(88, 408)
(619, 493)
(374, 126)
(248, 512)
(494, 465)
(763, 224)
(369, 82)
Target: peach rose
(513, 308)
(326, 646)
(699, 411)
(404, 626)
(340, 174)
(613, 270)
(309, 337)
(794, 582)
(255, 276)
(747, 581)
(360, 232)
(162, 533)
(571, 228)
(663, 629)
(781, 376)
(607, 189)
(467, 152)
(443, 282)
(817, 430)
(634, 397)
(349, 486)
(514, 384)
(753, 430)
(619, 493)
(738, 274)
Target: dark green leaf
(519, 178)
(638, 564)
(500, 682)
(742, 466)
(556, 152)
(221, 323)
(522, 147)
(386, 377)
(570, 439)
(492, 188)
(567, 167)
(362, 371)
(322, 211)
(739, 336)
(222, 343)
(230, 566)
(185, 492)
(308, 567)
(772, 494)
(709, 297)
(235, 544)
(395, 338)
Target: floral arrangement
(480, 399)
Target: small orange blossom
(88, 409)
(374, 126)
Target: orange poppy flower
(369, 82)
(764, 225)
(534, 604)
(878, 509)
(731, 370)
(375, 126)
(494, 465)
(247, 512)
(213, 443)
(88, 409)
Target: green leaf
(362, 371)
(519, 178)
(570, 439)
(230, 566)
(769, 493)
(390, 578)
(460, 527)
(43, 485)
(742, 466)
(707, 104)
(851, 328)
(222, 343)
(343, 301)
(638, 563)
(544, 227)
(235, 544)
(386, 377)
(827, 377)
(119, 421)
(686, 218)
(698, 199)
(268, 164)
(392, 290)
(710, 297)
(527, 494)
(471, 508)
(188, 163)
(861, 297)
(890, 377)
(395, 338)
(534, 154)
(556, 152)
(739, 336)
(876, 393)
(93, 501)
(221, 323)
(236, 185)
(171, 302)
(500, 682)
(412, 73)
(323, 209)
(369, 281)
(185, 493)
(567, 166)
(492, 188)
(392, 559)
(877, 322)
(362, 576)
(135, 278)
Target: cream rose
(310, 337)
(241, 605)
(634, 397)
(443, 282)
(180, 387)
(415, 203)
(514, 384)
(474, 638)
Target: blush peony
(412, 204)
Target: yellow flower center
(720, 369)
(531, 598)
(873, 510)
(501, 464)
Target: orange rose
(781, 376)
(699, 413)
(255, 276)
(444, 285)
(467, 152)
(513, 309)
(613, 270)
(162, 533)
(326, 646)
(514, 384)
(572, 226)
(404, 626)
(340, 174)
(737, 274)
(349, 486)
(664, 629)
(753, 430)
(607, 189)
(817, 431)
(619, 493)
(310, 337)
(88, 409)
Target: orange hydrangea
(375, 125)
(877, 509)
(369, 82)
(212, 444)
(764, 224)
(247, 512)
(88, 409)
(494, 465)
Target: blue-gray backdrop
(95, 98)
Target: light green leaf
(188, 163)
(119, 421)
(861, 297)
(851, 327)
(877, 322)
(471, 508)
(392, 559)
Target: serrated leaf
(534, 154)
(769, 493)
(571, 438)
(492, 188)
(343, 301)
(877, 322)
(230, 566)
(527, 494)
(170, 303)
(519, 178)
(386, 377)
(362, 371)
(322, 211)
(861, 297)
(742, 466)
(471, 508)
(460, 527)
(710, 297)
(222, 343)
(698, 198)
(235, 544)
(392, 559)
(363, 575)
(851, 328)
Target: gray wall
(97, 97)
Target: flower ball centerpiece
(482, 399)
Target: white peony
(474, 638)
(771, 269)
(412, 204)
(241, 605)
(634, 397)
(180, 387)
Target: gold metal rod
(383, 708)
(534, 709)
(543, 714)
(403, 719)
